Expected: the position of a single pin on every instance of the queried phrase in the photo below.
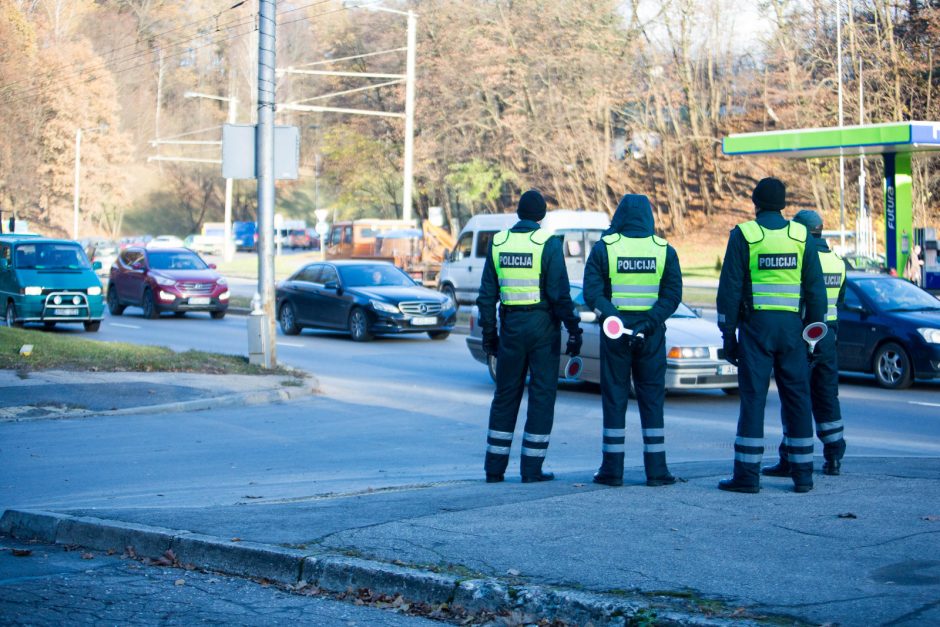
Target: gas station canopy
(894, 141)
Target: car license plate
(424, 321)
(200, 300)
(64, 312)
(728, 369)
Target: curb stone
(339, 573)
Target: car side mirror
(137, 265)
(587, 316)
(859, 309)
(96, 265)
(331, 285)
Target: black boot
(780, 469)
(542, 476)
(734, 485)
(603, 478)
(832, 467)
(493, 477)
(655, 482)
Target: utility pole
(265, 168)
(406, 203)
(841, 157)
(77, 191)
(227, 245)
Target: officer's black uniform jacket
(556, 291)
(734, 286)
(633, 218)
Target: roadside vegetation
(59, 351)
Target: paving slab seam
(200, 404)
(338, 573)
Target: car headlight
(32, 290)
(688, 352)
(162, 280)
(448, 302)
(931, 336)
(94, 291)
(222, 281)
(384, 307)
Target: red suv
(166, 279)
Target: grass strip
(57, 351)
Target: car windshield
(373, 276)
(175, 261)
(50, 256)
(898, 295)
(683, 312)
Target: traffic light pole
(265, 170)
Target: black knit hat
(531, 206)
(771, 194)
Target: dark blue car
(889, 327)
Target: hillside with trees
(585, 100)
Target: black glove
(491, 345)
(644, 327)
(573, 347)
(730, 348)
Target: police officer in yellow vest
(824, 363)
(525, 273)
(634, 275)
(769, 276)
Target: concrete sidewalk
(861, 549)
(44, 394)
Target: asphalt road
(396, 411)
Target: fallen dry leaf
(236, 540)
(512, 572)
(88, 556)
(579, 485)
(847, 515)
(22, 552)
(180, 582)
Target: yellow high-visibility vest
(776, 265)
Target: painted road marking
(924, 404)
(290, 344)
(125, 326)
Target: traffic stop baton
(573, 369)
(614, 329)
(813, 333)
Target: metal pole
(227, 246)
(841, 157)
(76, 190)
(863, 222)
(265, 169)
(409, 115)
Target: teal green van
(48, 281)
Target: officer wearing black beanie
(771, 286)
(525, 273)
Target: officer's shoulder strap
(751, 231)
(613, 238)
(797, 232)
(501, 238)
(660, 241)
(540, 236)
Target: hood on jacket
(634, 216)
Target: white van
(462, 271)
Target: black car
(363, 297)
(889, 327)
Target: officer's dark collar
(525, 225)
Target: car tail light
(471, 324)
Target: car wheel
(11, 317)
(450, 292)
(149, 307)
(730, 391)
(179, 314)
(438, 335)
(93, 326)
(288, 320)
(48, 325)
(892, 367)
(217, 315)
(115, 308)
(359, 326)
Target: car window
(851, 298)
(897, 295)
(463, 247)
(347, 235)
(483, 242)
(308, 274)
(327, 274)
(133, 256)
(5, 253)
(51, 256)
(374, 275)
(683, 311)
(172, 260)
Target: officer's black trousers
(772, 340)
(529, 341)
(824, 394)
(645, 362)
